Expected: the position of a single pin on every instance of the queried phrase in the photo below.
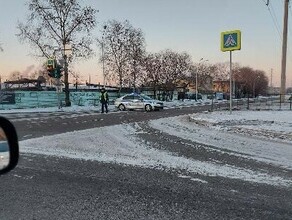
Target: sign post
(230, 41)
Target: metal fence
(259, 103)
(44, 99)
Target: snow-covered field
(263, 136)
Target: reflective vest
(103, 97)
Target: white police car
(137, 101)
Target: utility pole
(284, 52)
(271, 78)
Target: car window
(137, 97)
(128, 97)
(145, 97)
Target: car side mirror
(9, 149)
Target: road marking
(192, 179)
(198, 180)
(28, 135)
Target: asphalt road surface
(30, 125)
(47, 187)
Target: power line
(274, 18)
(290, 13)
(275, 21)
(266, 2)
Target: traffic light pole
(54, 70)
(66, 81)
(59, 91)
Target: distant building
(274, 90)
(221, 86)
(25, 84)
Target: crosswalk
(43, 115)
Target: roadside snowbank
(273, 125)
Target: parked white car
(137, 101)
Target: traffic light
(54, 69)
(51, 66)
(58, 71)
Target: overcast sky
(193, 26)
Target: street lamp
(234, 86)
(199, 68)
(102, 55)
(255, 81)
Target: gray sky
(193, 26)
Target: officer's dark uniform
(104, 100)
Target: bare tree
(54, 24)
(260, 83)
(123, 50)
(221, 71)
(251, 82)
(165, 69)
(175, 66)
(153, 67)
(202, 73)
(136, 50)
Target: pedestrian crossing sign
(230, 40)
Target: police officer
(104, 100)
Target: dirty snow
(120, 144)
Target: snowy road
(164, 168)
(173, 144)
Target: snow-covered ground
(263, 136)
(76, 108)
